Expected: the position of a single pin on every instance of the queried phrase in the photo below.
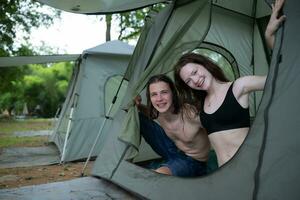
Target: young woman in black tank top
(222, 105)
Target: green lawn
(8, 127)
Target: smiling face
(195, 76)
(161, 96)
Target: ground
(23, 176)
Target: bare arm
(274, 23)
(247, 84)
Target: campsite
(97, 130)
(13, 176)
(17, 173)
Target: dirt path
(23, 176)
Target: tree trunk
(108, 26)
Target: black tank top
(230, 115)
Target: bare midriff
(227, 142)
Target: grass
(8, 127)
(10, 141)
(11, 126)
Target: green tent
(89, 102)
(266, 166)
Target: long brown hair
(187, 94)
(153, 113)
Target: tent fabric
(144, 50)
(279, 167)
(111, 47)
(266, 166)
(260, 66)
(99, 6)
(126, 173)
(146, 46)
(113, 6)
(79, 188)
(25, 60)
(87, 99)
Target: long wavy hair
(187, 94)
(153, 113)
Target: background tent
(40, 59)
(93, 86)
(266, 166)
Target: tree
(46, 86)
(130, 23)
(108, 19)
(18, 17)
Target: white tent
(89, 103)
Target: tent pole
(67, 135)
(96, 140)
(68, 129)
(102, 126)
(55, 120)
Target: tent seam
(119, 162)
(263, 146)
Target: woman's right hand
(274, 23)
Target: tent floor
(80, 188)
(29, 156)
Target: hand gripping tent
(267, 164)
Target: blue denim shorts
(179, 163)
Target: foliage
(41, 86)
(13, 98)
(46, 86)
(131, 23)
(9, 75)
(19, 17)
